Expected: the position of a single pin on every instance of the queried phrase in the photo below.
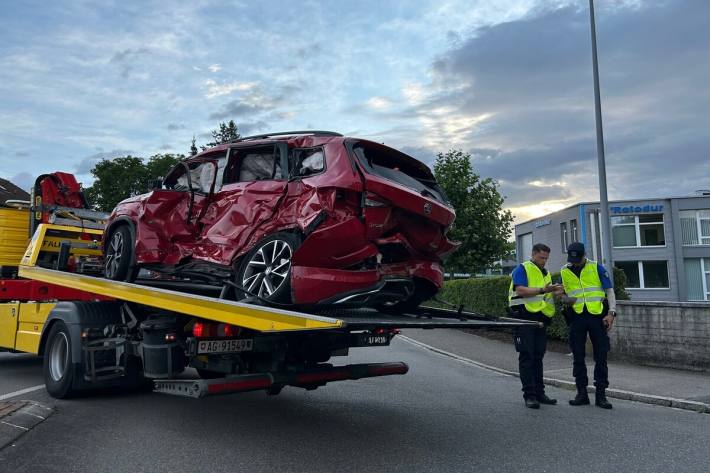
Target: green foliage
(225, 133)
(620, 282)
(120, 178)
(482, 226)
(487, 295)
(193, 147)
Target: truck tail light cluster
(210, 329)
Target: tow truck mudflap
(309, 379)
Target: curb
(613, 393)
(19, 417)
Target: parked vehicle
(309, 218)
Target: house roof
(9, 191)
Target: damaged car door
(253, 186)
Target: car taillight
(374, 200)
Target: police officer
(591, 310)
(531, 298)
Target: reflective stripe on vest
(587, 288)
(539, 303)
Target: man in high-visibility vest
(531, 298)
(591, 310)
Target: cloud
(175, 126)
(246, 129)
(216, 90)
(128, 59)
(22, 154)
(214, 68)
(86, 164)
(518, 95)
(378, 103)
(166, 147)
(23, 180)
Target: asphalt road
(443, 416)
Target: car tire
(266, 269)
(118, 260)
(58, 365)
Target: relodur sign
(636, 209)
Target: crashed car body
(303, 218)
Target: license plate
(224, 346)
(371, 340)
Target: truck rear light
(374, 200)
(198, 329)
(226, 330)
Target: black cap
(575, 252)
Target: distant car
(309, 218)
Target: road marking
(456, 357)
(13, 425)
(21, 392)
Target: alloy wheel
(268, 269)
(114, 254)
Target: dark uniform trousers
(581, 325)
(531, 344)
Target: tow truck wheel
(119, 255)
(58, 366)
(266, 269)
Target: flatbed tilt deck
(97, 333)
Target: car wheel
(119, 256)
(266, 269)
(58, 365)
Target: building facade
(662, 245)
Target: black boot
(582, 398)
(544, 399)
(600, 399)
(532, 403)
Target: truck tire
(58, 365)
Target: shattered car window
(309, 161)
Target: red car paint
(347, 244)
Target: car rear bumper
(387, 283)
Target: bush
(489, 296)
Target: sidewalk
(668, 387)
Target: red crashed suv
(308, 218)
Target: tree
(482, 226)
(124, 177)
(226, 132)
(193, 147)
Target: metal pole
(603, 199)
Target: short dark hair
(538, 247)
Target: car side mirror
(157, 183)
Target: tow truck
(98, 333)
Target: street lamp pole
(603, 198)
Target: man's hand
(556, 289)
(608, 322)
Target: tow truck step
(309, 379)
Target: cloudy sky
(507, 80)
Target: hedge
(489, 295)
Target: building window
(638, 230)
(695, 227)
(697, 278)
(573, 230)
(645, 274)
(563, 236)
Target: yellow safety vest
(542, 302)
(587, 288)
